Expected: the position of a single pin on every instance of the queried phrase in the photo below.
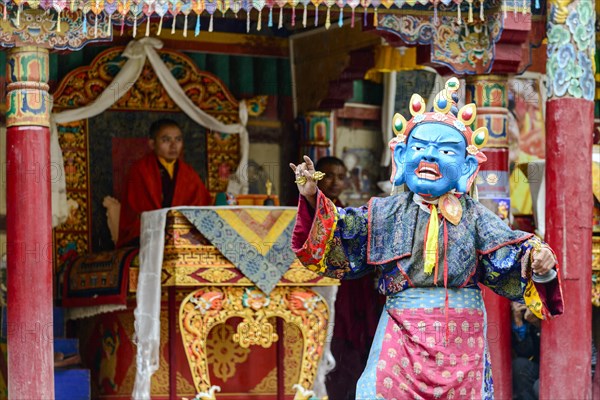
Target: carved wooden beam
(501, 42)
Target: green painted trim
(265, 70)
(366, 92)
(3, 64)
(242, 76)
(199, 59)
(285, 77)
(219, 65)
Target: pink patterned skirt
(425, 350)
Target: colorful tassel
(270, 24)
(280, 24)
(304, 15)
(160, 26)
(470, 10)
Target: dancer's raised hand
(306, 179)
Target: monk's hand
(543, 260)
(305, 179)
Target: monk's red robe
(144, 193)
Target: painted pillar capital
(28, 100)
(490, 94)
(571, 48)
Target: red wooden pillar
(566, 341)
(490, 94)
(29, 226)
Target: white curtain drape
(327, 362)
(147, 311)
(387, 112)
(136, 53)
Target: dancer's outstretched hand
(306, 179)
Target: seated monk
(159, 180)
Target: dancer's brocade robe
(431, 339)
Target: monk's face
(168, 143)
(334, 182)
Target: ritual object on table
(269, 200)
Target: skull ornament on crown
(436, 152)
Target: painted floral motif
(570, 49)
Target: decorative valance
(88, 19)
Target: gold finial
(268, 186)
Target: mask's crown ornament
(444, 112)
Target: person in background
(334, 182)
(160, 179)
(526, 352)
(357, 306)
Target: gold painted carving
(268, 384)
(596, 253)
(256, 105)
(299, 274)
(255, 332)
(209, 306)
(217, 275)
(223, 352)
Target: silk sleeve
(507, 271)
(331, 241)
